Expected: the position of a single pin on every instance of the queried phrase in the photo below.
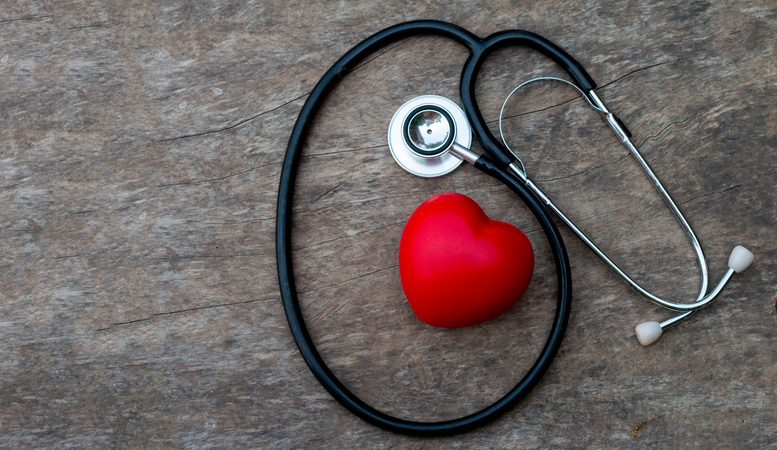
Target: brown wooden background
(140, 151)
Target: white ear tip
(648, 332)
(740, 258)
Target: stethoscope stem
(675, 320)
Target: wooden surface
(140, 151)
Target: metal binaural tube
(703, 298)
(615, 125)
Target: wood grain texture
(140, 152)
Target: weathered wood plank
(140, 152)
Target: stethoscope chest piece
(423, 130)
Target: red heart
(458, 267)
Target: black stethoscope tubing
(479, 49)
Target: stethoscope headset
(430, 136)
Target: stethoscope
(430, 136)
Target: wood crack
(643, 68)
(586, 219)
(178, 311)
(130, 322)
(237, 255)
(364, 63)
(536, 110)
(679, 122)
(241, 122)
(314, 244)
(210, 180)
(329, 191)
(21, 19)
(244, 222)
(198, 308)
(97, 25)
(66, 257)
(580, 96)
(347, 150)
(307, 291)
(349, 202)
(657, 135)
(587, 170)
(235, 125)
(719, 191)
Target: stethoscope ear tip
(740, 259)
(648, 332)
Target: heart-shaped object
(458, 267)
